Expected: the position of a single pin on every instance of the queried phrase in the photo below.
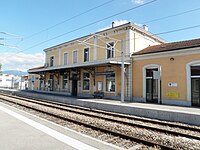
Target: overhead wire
(166, 32)
(53, 26)
(73, 17)
(84, 26)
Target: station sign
(172, 84)
(107, 73)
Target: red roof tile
(40, 67)
(170, 47)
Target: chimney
(145, 27)
(113, 24)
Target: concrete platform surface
(22, 131)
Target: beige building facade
(92, 63)
(168, 73)
(155, 71)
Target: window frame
(112, 78)
(65, 79)
(87, 79)
(73, 62)
(64, 58)
(111, 49)
(51, 63)
(84, 54)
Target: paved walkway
(21, 131)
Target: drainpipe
(134, 41)
(131, 77)
(122, 71)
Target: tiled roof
(40, 67)
(170, 47)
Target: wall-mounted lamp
(171, 58)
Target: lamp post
(122, 71)
(20, 77)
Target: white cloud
(117, 23)
(138, 2)
(21, 61)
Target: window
(51, 61)
(195, 70)
(86, 54)
(75, 57)
(86, 81)
(65, 82)
(32, 78)
(65, 58)
(110, 50)
(110, 82)
(150, 73)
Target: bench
(98, 94)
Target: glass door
(195, 91)
(151, 86)
(195, 85)
(51, 83)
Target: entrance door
(195, 91)
(41, 85)
(195, 85)
(74, 85)
(51, 83)
(151, 86)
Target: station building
(155, 71)
(93, 63)
(168, 73)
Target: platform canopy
(84, 65)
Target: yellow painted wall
(101, 55)
(56, 57)
(35, 84)
(102, 78)
(172, 71)
(101, 51)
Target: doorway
(51, 83)
(152, 76)
(74, 85)
(195, 85)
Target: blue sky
(27, 17)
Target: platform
(20, 130)
(188, 115)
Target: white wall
(141, 41)
(7, 81)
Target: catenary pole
(122, 71)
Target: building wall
(99, 50)
(33, 81)
(141, 41)
(134, 39)
(7, 81)
(172, 71)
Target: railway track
(87, 111)
(108, 116)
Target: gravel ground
(127, 144)
(176, 142)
